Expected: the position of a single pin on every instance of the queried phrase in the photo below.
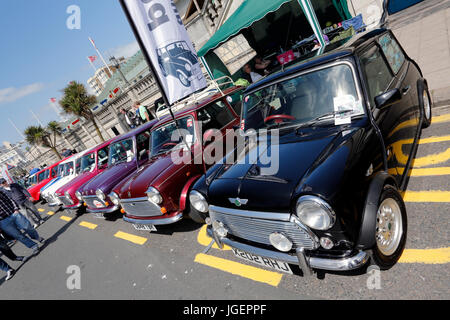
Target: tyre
(183, 79)
(426, 103)
(391, 229)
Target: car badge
(238, 202)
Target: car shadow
(184, 225)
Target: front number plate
(263, 261)
(144, 227)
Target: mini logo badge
(238, 202)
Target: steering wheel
(278, 118)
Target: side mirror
(388, 98)
(207, 137)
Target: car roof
(332, 52)
(198, 104)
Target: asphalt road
(117, 262)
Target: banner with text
(167, 45)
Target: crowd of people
(133, 118)
(19, 218)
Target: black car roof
(332, 52)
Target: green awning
(249, 12)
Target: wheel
(391, 229)
(425, 102)
(183, 79)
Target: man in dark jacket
(6, 250)
(20, 195)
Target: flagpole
(18, 131)
(93, 67)
(100, 55)
(35, 116)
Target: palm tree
(77, 101)
(45, 137)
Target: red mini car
(156, 194)
(43, 177)
(93, 163)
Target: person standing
(12, 222)
(21, 196)
(11, 255)
(142, 112)
(125, 120)
(253, 75)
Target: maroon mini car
(156, 194)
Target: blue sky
(39, 55)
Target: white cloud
(126, 51)
(13, 94)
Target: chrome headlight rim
(78, 195)
(322, 205)
(195, 197)
(114, 198)
(67, 195)
(154, 196)
(99, 193)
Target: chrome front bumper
(301, 259)
(155, 222)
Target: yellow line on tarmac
(130, 237)
(426, 196)
(88, 225)
(249, 272)
(413, 122)
(65, 218)
(423, 172)
(205, 240)
(41, 210)
(427, 256)
(50, 213)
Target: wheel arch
(185, 192)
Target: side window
(102, 156)
(54, 171)
(215, 115)
(235, 100)
(392, 51)
(143, 145)
(378, 74)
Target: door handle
(406, 89)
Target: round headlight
(114, 198)
(67, 195)
(315, 213)
(198, 201)
(100, 194)
(154, 196)
(78, 195)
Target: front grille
(65, 201)
(142, 208)
(258, 229)
(90, 202)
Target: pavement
(424, 32)
(115, 261)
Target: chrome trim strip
(155, 221)
(282, 216)
(90, 197)
(133, 200)
(343, 264)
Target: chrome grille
(140, 208)
(65, 201)
(259, 229)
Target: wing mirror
(388, 98)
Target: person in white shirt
(253, 75)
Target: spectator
(253, 75)
(125, 119)
(21, 196)
(142, 112)
(12, 221)
(261, 66)
(5, 250)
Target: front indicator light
(280, 241)
(122, 210)
(163, 210)
(326, 243)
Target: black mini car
(347, 123)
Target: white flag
(168, 46)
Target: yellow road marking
(65, 218)
(130, 237)
(422, 161)
(88, 225)
(427, 256)
(417, 172)
(41, 210)
(413, 122)
(205, 240)
(249, 272)
(426, 196)
(50, 213)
